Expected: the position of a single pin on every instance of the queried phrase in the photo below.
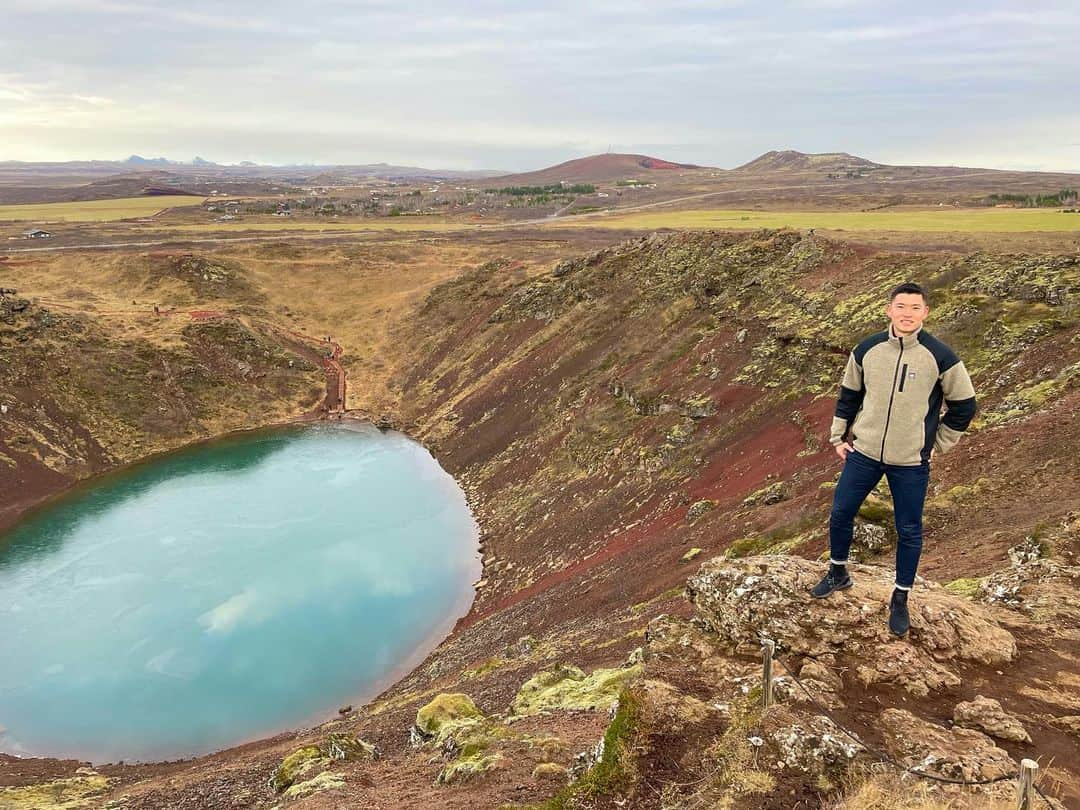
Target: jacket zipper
(892, 394)
(903, 377)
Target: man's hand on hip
(843, 449)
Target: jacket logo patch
(911, 375)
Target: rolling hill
(594, 168)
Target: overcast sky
(519, 85)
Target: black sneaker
(836, 580)
(899, 621)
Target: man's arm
(850, 400)
(959, 406)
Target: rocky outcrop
(808, 744)
(986, 715)
(1038, 583)
(768, 597)
(956, 753)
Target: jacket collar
(905, 341)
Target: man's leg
(858, 479)
(908, 486)
(860, 475)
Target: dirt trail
(328, 355)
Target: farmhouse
(36, 233)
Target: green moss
(961, 493)
(690, 554)
(567, 687)
(483, 669)
(616, 769)
(317, 784)
(295, 765)
(1032, 398)
(781, 540)
(968, 587)
(447, 708)
(465, 768)
(60, 794)
(875, 510)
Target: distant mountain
(595, 168)
(139, 160)
(789, 160)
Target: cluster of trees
(550, 188)
(1067, 196)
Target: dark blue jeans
(908, 486)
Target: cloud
(234, 611)
(505, 85)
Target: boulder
(957, 753)
(808, 744)
(445, 709)
(745, 600)
(299, 762)
(567, 687)
(987, 715)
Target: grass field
(934, 220)
(385, 224)
(94, 210)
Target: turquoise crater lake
(226, 592)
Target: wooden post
(1025, 785)
(768, 648)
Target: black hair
(911, 288)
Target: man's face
(907, 311)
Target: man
(890, 403)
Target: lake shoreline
(355, 421)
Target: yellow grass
(393, 224)
(94, 210)
(888, 792)
(934, 220)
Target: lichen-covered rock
(350, 747)
(745, 600)
(957, 753)
(469, 768)
(870, 539)
(699, 508)
(299, 762)
(567, 687)
(767, 496)
(809, 744)
(673, 643)
(987, 715)
(445, 709)
(317, 784)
